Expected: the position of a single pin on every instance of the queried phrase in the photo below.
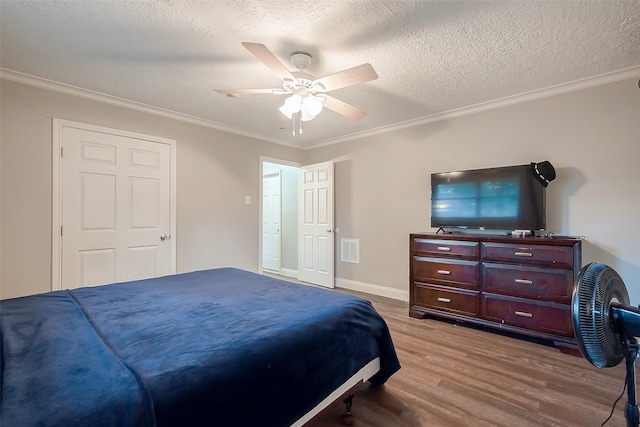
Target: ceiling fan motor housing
(300, 60)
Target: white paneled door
(271, 214)
(115, 208)
(316, 246)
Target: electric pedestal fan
(606, 326)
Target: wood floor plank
(455, 375)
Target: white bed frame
(361, 376)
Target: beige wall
(591, 136)
(382, 181)
(215, 171)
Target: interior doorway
(279, 197)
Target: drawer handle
(524, 281)
(523, 254)
(444, 248)
(523, 314)
(445, 272)
(447, 300)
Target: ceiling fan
(307, 95)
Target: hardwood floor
(454, 375)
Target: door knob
(163, 237)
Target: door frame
(56, 191)
(262, 160)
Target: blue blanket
(219, 347)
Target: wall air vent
(350, 250)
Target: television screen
(503, 198)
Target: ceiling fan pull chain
(293, 124)
(298, 117)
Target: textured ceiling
(431, 56)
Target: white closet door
(115, 208)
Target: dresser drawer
(545, 317)
(553, 256)
(442, 271)
(458, 249)
(529, 282)
(450, 300)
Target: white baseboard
(383, 291)
(287, 272)
(367, 288)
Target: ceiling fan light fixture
(291, 105)
(308, 106)
(306, 116)
(311, 107)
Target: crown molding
(576, 85)
(489, 105)
(64, 88)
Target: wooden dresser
(516, 284)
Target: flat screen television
(501, 198)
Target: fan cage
(599, 286)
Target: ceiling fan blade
(352, 76)
(249, 91)
(265, 56)
(343, 108)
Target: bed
(222, 347)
